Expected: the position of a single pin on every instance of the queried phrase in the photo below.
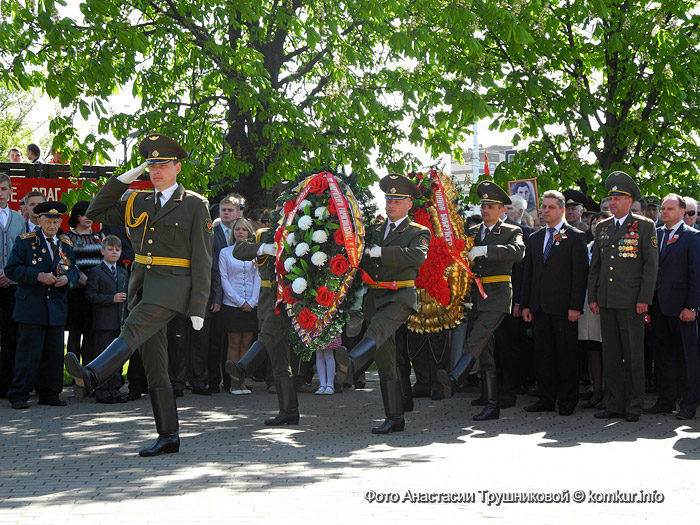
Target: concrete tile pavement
(80, 463)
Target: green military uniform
(171, 274)
(623, 271)
(504, 247)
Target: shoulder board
(27, 235)
(416, 225)
(509, 226)
(66, 240)
(474, 228)
(195, 194)
(642, 218)
(259, 233)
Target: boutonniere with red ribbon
(672, 239)
(632, 232)
(560, 236)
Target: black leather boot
(100, 369)
(483, 397)
(491, 410)
(393, 408)
(356, 362)
(450, 381)
(165, 414)
(289, 406)
(249, 363)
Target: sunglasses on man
(690, 213)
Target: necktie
(617, 225)
(667, 234)
(486, 232)
(113, 269)
(158, 196)
(391, 229)
(54, 249)
(3, 216)
(550, 241)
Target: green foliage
(15, 107)
(597, 86)
(255, 90)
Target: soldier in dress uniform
(621, 284)
(43, 265)
(497, 247)
(171, 233)
(401, 251)
(275, 325)
(575, 200)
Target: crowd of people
(33, 155)
(603, 296)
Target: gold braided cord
(134, 222)
(433, 316)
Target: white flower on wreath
(319, 237)
(319, 259)
(319, 212)
(302, 249)
(303, 204)
(289, 263)
(305, 222)
(299, 285)
(291, 240)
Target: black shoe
(133, 396)
(165, 444)
(609, 415)
(632, 418)
(437, 395)
(447, 383)
(566, 411)
(360, 385)
(685, 414)
(658, 409)
(52, 402)
(540, 406)
(288, 403)
(490, 411)
(120, 399)
(106, 401)
(201, 391)
(391, 424)
(20, 405)
(179, 393)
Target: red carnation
(332, 210)
(278, 234)
(318, 184)
(307, 319)
(289, 206)
(288, 295)
(339, 265)
(325, 296)
(339, 237)
(279, 268)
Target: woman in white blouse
(240, 281)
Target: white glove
(268, 249)
(197, 322)
(477, 251)
(375, 251)
(133, 174)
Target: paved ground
(79, 464)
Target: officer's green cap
(574, 198)
(398, 187)
(491, 193)
(619, 183)
(653, 200)
(159, 149)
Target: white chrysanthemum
(303, 204)
(305, 222)
(318, 212)
(288, 263)
(319, 236)
(319, 258)
(299, 285)
(291, 240)
(302, 249)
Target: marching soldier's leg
(253, 358)
(391, 389)
(403, 367)
(488, 376)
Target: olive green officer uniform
(622, 274)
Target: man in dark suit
(621, 284)
(171, 232)
(673, 312)
(554, 291)
(397, 258)
(44, 268)
(497, 247)
(31, 199)
(106, 291)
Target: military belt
(163, 261)
(268, 284)
(495, 279)
(399, 284)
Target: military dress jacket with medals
(623, 263)
(403, 252)
(248, 251)
(180, 230)
(505, 247)
(38, 303)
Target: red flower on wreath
(279, 268)
(338, 265)
(288, 295)
(289, 206)
(332, 210)
(325, 296)
(339, 237)
(278, 234)
(307, 319)
(318, 184)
